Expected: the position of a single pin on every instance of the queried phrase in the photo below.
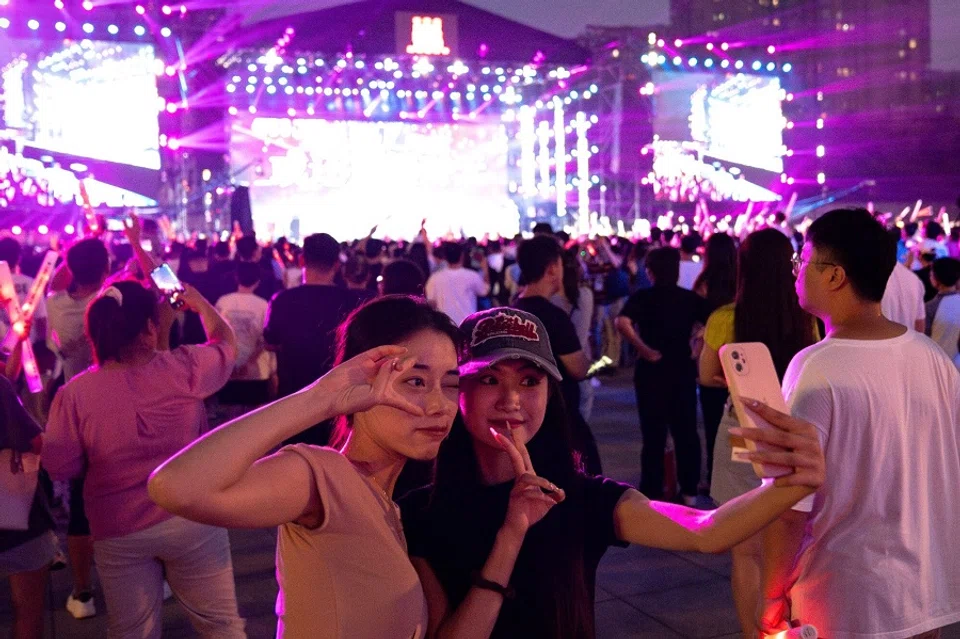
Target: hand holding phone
(750, 373)
(169, 284)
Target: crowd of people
(414, 418)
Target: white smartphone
(750, 373)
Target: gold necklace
(395, 523)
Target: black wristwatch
(507, 592)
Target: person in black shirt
(302, 323)
(25, 555)
(541, 275)
(487, 572)
(659, 322)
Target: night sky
(568, 18)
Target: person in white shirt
(903, 299)
(872, 555)
(255, 368)
(690, 265)
(943, 311)
(455, 289)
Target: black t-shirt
(17, 425)
(456, 539)
(665, 317)
(563, 341)
(302, 324)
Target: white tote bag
(19, 473)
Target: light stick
(88, 213)
(788, 212)
(916, 211)
(800, 632)
(20, 316)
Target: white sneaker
(81, 606)
(167, 593)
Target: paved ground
(642, 593)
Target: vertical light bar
(528, 143)
(543, 157)
(583, 172)
(560, 153)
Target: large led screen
(88, 99)
(716, 136)
(345, 177)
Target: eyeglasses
(798, 264)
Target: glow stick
(33, 299)
(801, 632)
(903, 213)
(8, 295)
(88, 213)
(792, 203)
(916, 211)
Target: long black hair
(767, 307)
(572, 277)
(719, 274)
(567, 604)
(382, 321)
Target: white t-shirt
(879, 555)
(246, 313)
(22, 284)
(455, 292)
(903, 299)
(67, 337)
(689, 272)
(945, 329)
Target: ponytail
(117, 317)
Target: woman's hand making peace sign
(532, 497)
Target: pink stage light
(17, 230)
(166, 10)
(141, 9)
(58, 4)
(173, 144)
(69, 229)
(87, 5)
(771, 49)
(678, 43)
(42, 229)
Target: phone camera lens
(736, 355)
(739, 368)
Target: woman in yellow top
(766, 310)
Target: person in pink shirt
(118, 421)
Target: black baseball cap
(506, 333)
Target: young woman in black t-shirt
(509, 398)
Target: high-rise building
(866, 65)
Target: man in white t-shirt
(903, 299)
(690, 265)
(873, 554)
(246, 312)
(943, 311)
(455, 289)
